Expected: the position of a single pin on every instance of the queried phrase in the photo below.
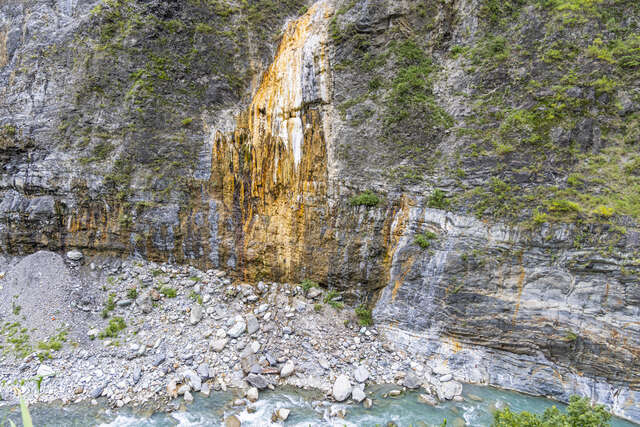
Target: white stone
(358, 395)
(237, 329)
(287, 369)
(219, 344)
(361, 374)
(341, 388)
(253, 394)
(74, 255)
(445, 378)
(45, 371)
(196, 314)
(283, 414)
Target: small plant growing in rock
(603, 211)
(132, 293)
(116, 325)
(52, 344)
(332, 299)
(424, 239)
(317, 307)
(540, 217)
(571, 336)
(368, 198)
(168, 292)
(438, 200)
(196, 297)
(364, 315)
(308, 284)
(109, 306)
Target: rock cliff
(468, 168)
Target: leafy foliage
(308, 284)
(368, 198)
(115, 325)
(579, 414)
(332, 299)
(438, 200)
(364, 315)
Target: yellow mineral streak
(276, 107)
(3, 49)
(271, 172)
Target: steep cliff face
(468, 168)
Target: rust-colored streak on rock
(520, 289)
(271, 172)
(4, 59)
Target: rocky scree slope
(468, 168)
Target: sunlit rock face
(279, 216)
(237, 136)
(270, 173)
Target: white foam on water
(122, 421)
(184, 420)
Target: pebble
(219, 344)
(252, 324)
(74, 255)
(237, 329)
(196, 314)
(252, 394)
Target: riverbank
(136, 333)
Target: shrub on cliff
(579, 413)
(368, 198)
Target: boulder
(257, 381)
(445, 378)
(283, 414)
(341, 388)
(287, 369)
(361, 374)
(428, 399)
(358, 395)
(411, 381)
(253, 394)
(449, 390)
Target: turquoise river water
(405, 410)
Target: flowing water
(306, 410)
